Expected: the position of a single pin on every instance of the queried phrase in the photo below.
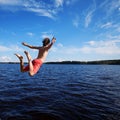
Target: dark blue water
(60, 92)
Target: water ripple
(60, 92)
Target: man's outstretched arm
(52, 42)
(30, 46)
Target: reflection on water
(60, 92)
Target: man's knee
(22, 70)
(31, 73)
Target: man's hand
(53, 40)
(23, 43)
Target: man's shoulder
(40, 47)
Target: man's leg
(21, 62)
(31, 73)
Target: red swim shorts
(37, 63)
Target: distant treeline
(11, 62)
(109, 62)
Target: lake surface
(60, 92)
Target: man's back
(42, 54)
(43, 51)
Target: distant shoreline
(108, 62)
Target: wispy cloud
(76, 21)
(108, 47)
(11, 48)
(114, 27)
(70, 2)
(110, 7)
(39, 7)
(5, 59)
(59, 3)
(41, 12)
(30, 34)
(10, 2)
(94, 49)
(115, 38)
(88, 17)
(113, 5)
(7, 52)
(106, 25)
(4, 48)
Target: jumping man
(34, 65)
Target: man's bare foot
(19, 56)
(28, 56)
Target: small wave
(35, 115)
(79, 94)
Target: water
(60, 92)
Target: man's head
(46, 41)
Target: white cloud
(109, 28)
(106, 25)
(96, 49)
(113, 5)
(92, 50)
(70, 2)
(88, 17)
(116, 38)
(109, 47)
(10, 48)
(65, 50)
(5, 59)
(16, 48)
(89, 14)
(10, 2)
(92, 43)
(4, 48)
(41, 8)
(41, 12)
(30, 34)
(110, 6)
(58, 3)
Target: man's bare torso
(42, 54)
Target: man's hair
(46, 41)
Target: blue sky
(85, 29)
